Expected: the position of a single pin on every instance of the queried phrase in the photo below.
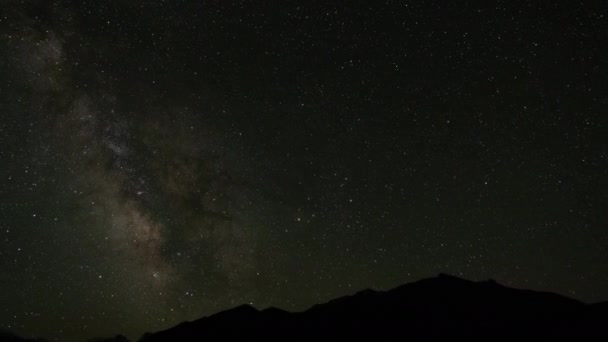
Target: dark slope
(6, 336)
(441, 306)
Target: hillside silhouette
(7, 336)
(444, 306)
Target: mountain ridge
(433, 307)
(442, 306)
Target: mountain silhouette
(444, 306)
(6, 336)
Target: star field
(165, 160)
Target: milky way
(161, 161)
(155, 207)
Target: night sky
(165, 160)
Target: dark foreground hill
(442, 306)
(6, 336)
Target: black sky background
(165, 160)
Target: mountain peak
(444, 306)
(451, 278)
